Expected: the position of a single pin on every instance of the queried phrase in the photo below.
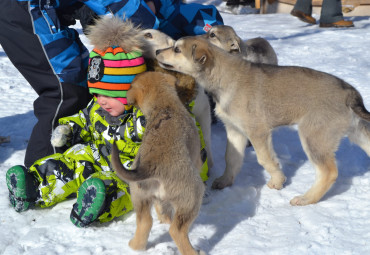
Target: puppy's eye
(177, 50)
(212, 35)
(148, 35)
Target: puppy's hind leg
(236, 142)
(326, 174)
(179, 231)
(144, 222)
(320, 145)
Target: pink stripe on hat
(124, 63)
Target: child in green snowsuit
(84, 168)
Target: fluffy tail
(111, 31)
(360, 131)
(124, 173)
(356, 103)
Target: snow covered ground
(247, 218)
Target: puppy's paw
(300, 201)
(137, 245)
(222, 182)
(276, 182)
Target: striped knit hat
(112, 71)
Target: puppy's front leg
(262, 143)
(236, 142)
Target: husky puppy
(252, 99)
(256, 50)
(166, 168)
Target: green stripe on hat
(117, 56)
(109, 93)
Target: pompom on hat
(116, 58)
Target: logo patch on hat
(207, 27)
(96, 69)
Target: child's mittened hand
(60, 135)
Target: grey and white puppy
(256, 50)
(253, 99)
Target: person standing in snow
(37, 37)
(331, 13)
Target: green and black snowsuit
(93, 132)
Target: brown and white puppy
(253, 99)
(256, 50)
(166, 168)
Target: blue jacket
(68, 55)
(65, 51)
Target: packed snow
(246, 218)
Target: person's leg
(57, 96)
(102, 198)
(304, 6)
(303, 10)
(331, 11)
(51, 179)
(332, 15)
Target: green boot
(90, 202)
(22, 188)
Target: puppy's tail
(356, 103)
(359, 133)
(124, 173)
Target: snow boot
(22, 188)
(90, 202)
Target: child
(85, 168)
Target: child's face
(111, 105)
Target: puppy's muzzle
(157, 52)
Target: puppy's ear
(199, 55)
(169, 79)
(134, 94)
(131, 96)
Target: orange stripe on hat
(110, 86)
